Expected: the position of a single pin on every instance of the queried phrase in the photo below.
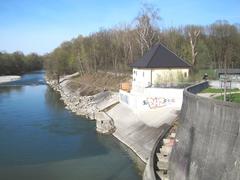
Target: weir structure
(208, 139)
(207, 143)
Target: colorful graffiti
(156, 102)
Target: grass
(233, 97)
(216, 90)
(92, 83)
(197, 76)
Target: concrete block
(162, 166)
(173, 135)
(162, 175)
(165, 150)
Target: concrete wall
(152, 98)
(141, 78)
(208, 146)
(168, 75)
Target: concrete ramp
(138, 129)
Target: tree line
(18, 63)
(205, 47)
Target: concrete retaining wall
(152, 98)
(208, 146)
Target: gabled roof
(160, 57)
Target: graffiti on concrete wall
(157, 102)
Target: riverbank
(4, 79)
(139, 130)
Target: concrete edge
(149, 172)
(192, 91)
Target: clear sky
(42, 25)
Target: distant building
(158, 66)
(233, 74)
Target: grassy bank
(216, 90)
(232, 98)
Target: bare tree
(193, 33)
(147, 29)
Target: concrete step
(168, 142)
(162, 175)
(161, 157)
(162, 166)
(173, 135)
(165, 150)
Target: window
(143, 74)
(185, 74)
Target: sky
(42, 25)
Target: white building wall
(152, 98)
(141, 79)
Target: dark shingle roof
(160, 57)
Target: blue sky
(41, 25)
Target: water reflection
(5, 91)
(53, 99)
(40, 139)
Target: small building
(158, 66)
(232, 74)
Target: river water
(40, 139)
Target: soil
(91, 84)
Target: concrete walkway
(139, 129)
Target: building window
(143, 74)
(185, 74)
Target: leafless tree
(147, 27)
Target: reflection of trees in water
(9, 89)
(5, 91)
(52, 99)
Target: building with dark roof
(159, 65)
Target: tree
(147, 27)
(224, 37)
(193, 33)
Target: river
(41, 140)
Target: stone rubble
(91, 107)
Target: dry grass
(90, 84)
